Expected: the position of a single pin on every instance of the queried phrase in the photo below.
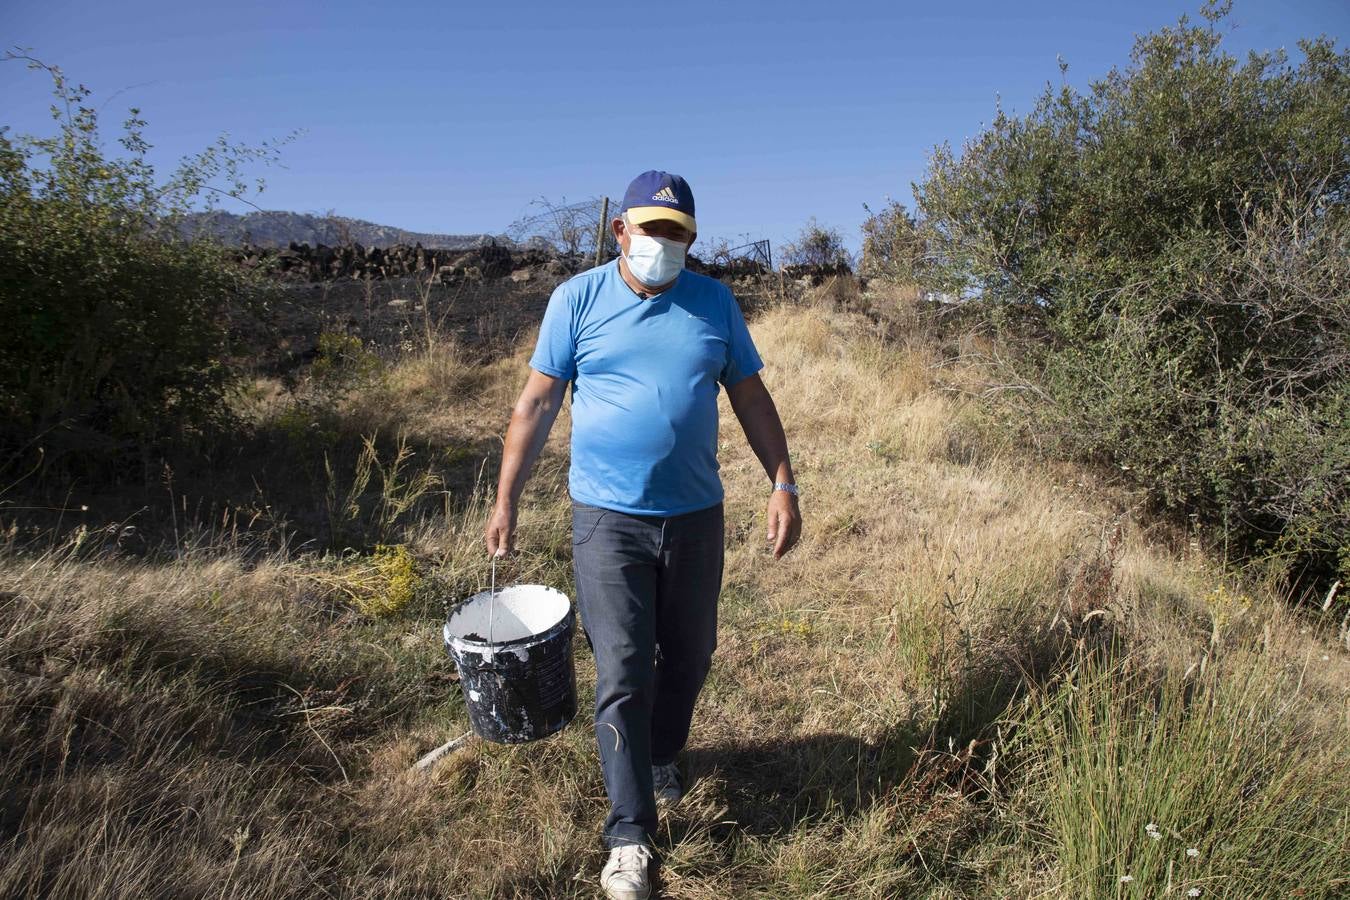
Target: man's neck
(637, 287)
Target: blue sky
(453, 117)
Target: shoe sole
(625, 894)
(628, 895)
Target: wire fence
(581, 230)
(754, 253)
(571, 229)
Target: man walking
(645, 344)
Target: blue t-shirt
(645, 376)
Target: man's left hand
(785, 522)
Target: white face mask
(654, 261)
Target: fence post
(600, 231)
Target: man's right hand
(500, 534)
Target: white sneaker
(666, 783)
(625, 875)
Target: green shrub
(1173, 246)
(343, 363)
(817, 246)
(892, 245)
(114, 328)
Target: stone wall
(302, 262)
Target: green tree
(114, 327)
(1175, 240)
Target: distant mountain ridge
(276, 228)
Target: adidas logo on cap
(665, 195)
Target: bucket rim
(563, 621)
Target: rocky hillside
(276, 228)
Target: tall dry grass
(974, 677)
(1217, 782)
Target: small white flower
(1150, 827)
(1126, 879)
(1193, 892)
(1325, 658)
(1155, 835)
(1192, 852)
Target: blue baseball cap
(659, 195)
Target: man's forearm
(764, 431)
(531, 422)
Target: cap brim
(641, 215)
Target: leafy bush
(1175, 242)
(819, 247)
(114, 330)
(343, 363)
(892, 245)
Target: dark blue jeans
(647, 591)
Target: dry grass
(889, 713)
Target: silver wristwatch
(786, 486)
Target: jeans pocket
(585, 520)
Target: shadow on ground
(263, 489)
(773, 787)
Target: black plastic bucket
(513, 650)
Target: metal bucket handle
(492, 610)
